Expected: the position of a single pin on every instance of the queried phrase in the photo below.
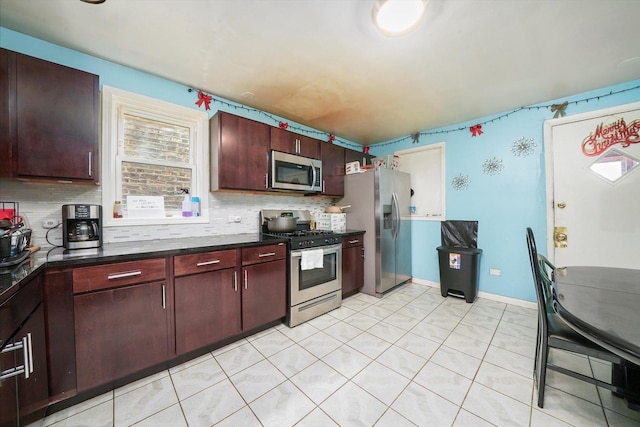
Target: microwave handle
(313, 175)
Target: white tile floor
(411, 358)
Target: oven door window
(318, 276)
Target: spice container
(117, 209)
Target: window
(426, 166)
(151, 150)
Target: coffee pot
(82, 226)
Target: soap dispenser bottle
(186, 203)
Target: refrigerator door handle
(396, 208)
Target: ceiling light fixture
(397, 17)
(93, 1)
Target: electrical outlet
(237, 219)
(50, 222)
(495, 271)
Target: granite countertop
(13, 277)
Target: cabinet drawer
(349, 241)
(206, 261)
(263, 253)
(86, 279)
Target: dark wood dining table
(603, 304)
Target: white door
(593, 188)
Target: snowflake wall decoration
(523, 147)
(492, 166)
(460, 182)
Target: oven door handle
(326, 249)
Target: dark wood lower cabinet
(24, 391)
(33, 392)
(352, 264)
(119, 332)
(207, 308)
(264, 293)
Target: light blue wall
(506, 203)
(125, 78)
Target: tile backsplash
(39, 201)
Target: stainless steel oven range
(315, 266)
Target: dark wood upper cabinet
(293, 143)
(332, 169)
(353, 156)
(50, 123)
(7, 112)
(239, 153)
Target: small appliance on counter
(14, 238)
(81, 226)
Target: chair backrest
(535, 271)
(543, 282)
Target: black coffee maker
(82, 226)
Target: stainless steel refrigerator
(380, 201)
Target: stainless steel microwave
(293, 172)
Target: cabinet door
(7, 113)
(264, 297)
(207, 308)
(119, 332)
(293, 143)
(352, 265)
(8, 392)
(357, 156)
(33, 391)
(239, 153)
(57, 112)
(332, 169)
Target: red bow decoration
(476, 130)
(331, 138)
(204, 99)
(365, 150)
(283, 125)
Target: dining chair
(553, 332)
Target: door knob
(560, 238)
(562, 205)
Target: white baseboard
(487, 295)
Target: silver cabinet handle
(266, 254)
(246, 279)
(12, 347)
(123, 275)
(235, 281)
(353, 241)
(12, 372)
(266, 180)
(164, 298)
(27, 351)
(90, 165)
(202, 264)
(30, 356)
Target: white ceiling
(322, 64)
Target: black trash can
(459, 258)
